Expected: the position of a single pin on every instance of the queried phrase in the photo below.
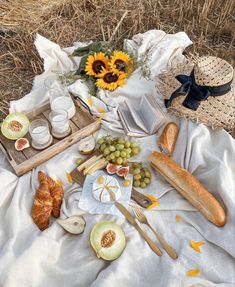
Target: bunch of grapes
(118, 150)
(142, 175)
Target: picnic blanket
(29, 257)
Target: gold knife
(133, 222)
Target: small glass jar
(60, 97)
(40, 134)
(60, 123)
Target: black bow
(195, 93)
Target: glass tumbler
(60, 123)
(40, 134)
(60, 97)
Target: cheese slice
(100, 191)
(92, 168)
(88, 162)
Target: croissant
(43, 203)
(57, 194)
(51, 183)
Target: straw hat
(201, 92)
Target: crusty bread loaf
(168, 138)
(185, 183)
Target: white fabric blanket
(29, 257)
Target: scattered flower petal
(196, 245)
(59, 182)
(101, 117)
(154, 200)
(100, 110)
(178, 218)
(89, 99)
(193, 272)
(69, 177)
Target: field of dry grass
(209, 23)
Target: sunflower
(95, 63)
(110, 80)
(121, 62)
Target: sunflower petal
(178, 218)
(59, 182)
(193, 272)
(69, 177)
(196, 245)
(155, 201)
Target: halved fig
(112, 168)
(15, 126)
(21, 144)
(123, 171)
(108, 240)
(74, 224)
(87, 145)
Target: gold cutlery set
(139, 215)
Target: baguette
(168, 138)
(189, 187)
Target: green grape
(134, 144)
(120, 147)
(136, 183)
(136, 165)
(108, 158)
(136, 171)
(124, 161)
(128, 155)
(127, 144)
(135, 150)
(137, 176)
(112, 148)
(121, 140)
(128, 150)
(106, 151)
(114, 160)
(112, 156)
(143, 185)
(119, 160)
(117, 153)
(123, 154)
(101, 141)
(100, 179)
(102, 147)
(147, 174)
(146, 180)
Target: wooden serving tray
(82, 125)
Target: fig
(87, 145)
(123, 171)
(108, 240)
(112, 168)
(74, 224)
(15, 126)
(21, 144)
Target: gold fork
(143, 219)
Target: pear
(74, 224)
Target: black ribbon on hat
(195, 93)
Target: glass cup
(40, 134)
(59, 96)
(60, 123)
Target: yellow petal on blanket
(101, 117)
(69, 177)
(193, 272)
(196, 245)
(59, 182)
(154, 200)
(100, 110)
(89, 100)
(178, 218)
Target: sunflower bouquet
(107, 69)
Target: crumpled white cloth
(29, 257)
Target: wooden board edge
(56, 148)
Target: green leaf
(81, 68)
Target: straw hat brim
(216, 112)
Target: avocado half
(15, 126)
(108, 240)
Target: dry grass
(209, 23)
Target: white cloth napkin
(29, 257)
